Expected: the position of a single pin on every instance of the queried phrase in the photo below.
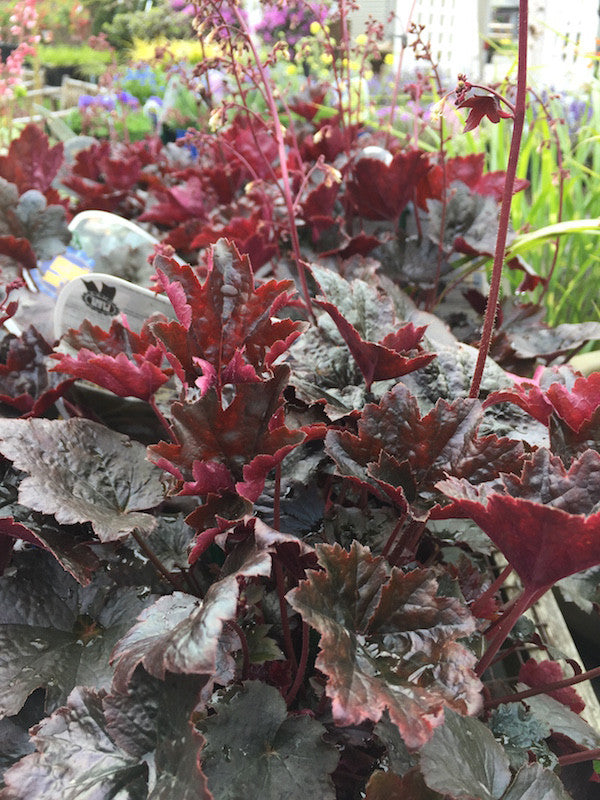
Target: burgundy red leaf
(396, 354)
(399, 451)
(382, 191)
(140, 378)
(240, 443)
(31, 163)
(540, 674)
(231, 315)
(546, 521)
(482, 105)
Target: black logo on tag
(100, 300)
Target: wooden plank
(554, 631)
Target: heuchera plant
(245, 551)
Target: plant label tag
(100, 298)
(50, 276)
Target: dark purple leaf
(56, 634)
(252, 742)
(388, 642)
(81, 471)
(231, 315)
(403, 453)
(181, 633)
(75, 755)
(464, 760)
(153, 716)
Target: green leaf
(76, 759)
(254, 749)
(526, 240)
(55, 633)
(583, 588)
(464, 760)
(513, 723)
(81, 471)
(536, 783)
(181, 633)
(262, 647)
(520, 733)
(388, 641)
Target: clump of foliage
(89, 62)
(245, 549)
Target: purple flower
(89, 101)
(127, 99)
(85, 101)
(106, 101)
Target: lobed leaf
(81, 471)
(526, 516)
(121, 376)
(242, 442)
(152, 717)
(31, 163)
(388, 642)
(231, 315)
(382, 191)
(464, 760)
(253, 748)
(181, 633)
(56, 634)
(76, 758)
(395, 355)
(405, 454)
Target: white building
(562, 36)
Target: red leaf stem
(524, 602)
(578, 758)
(490, 591)
(291, 695)
(515, 697)
(511, 172)
(285, 622)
